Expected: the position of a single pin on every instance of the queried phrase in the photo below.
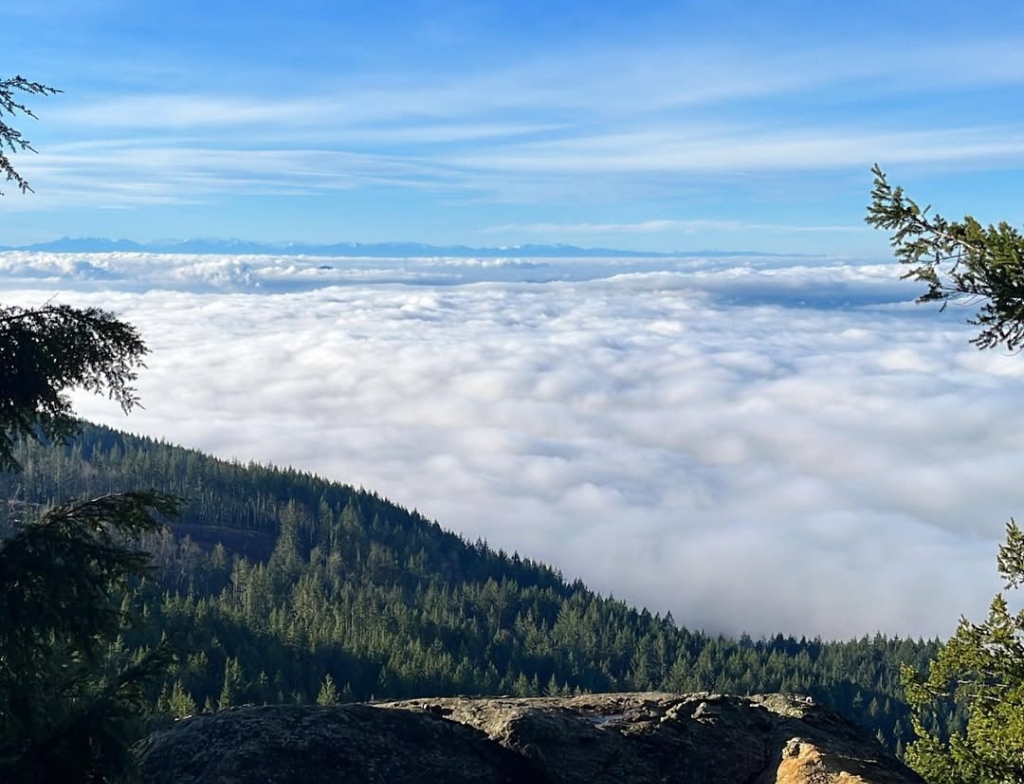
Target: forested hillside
(279, 586)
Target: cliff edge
(592, 739)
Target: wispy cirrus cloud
(114, 174)
(626, 113)
(744, 150)
(489, 163)
(661, 225)
(609, 82)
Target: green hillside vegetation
(980, 669)
(279, 586)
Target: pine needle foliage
(11, 139)
(48, 350)
(979, 673)
(960, 262)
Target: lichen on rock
(639, 738)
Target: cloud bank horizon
(767, 445)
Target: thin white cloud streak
(134, 172)
(113, 176)
(660, 225)
(337, 118)
(602, 83)
(730, 151)
(748, 466)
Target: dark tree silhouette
(48, 350)
(11, 139)
(69, 696)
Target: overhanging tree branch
(958, 261)
(46, 351)
(11, 139)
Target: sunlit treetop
(960, 261)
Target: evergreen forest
(275, 585)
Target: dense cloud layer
(769, 445)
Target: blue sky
(660, 126)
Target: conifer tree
(231, 691)
(180, 703)
(959, 262)
(69, 694)
(328, 692)
(980, 671)
(67, 709)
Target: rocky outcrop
(286, 744)
(591, 739)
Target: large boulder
(591, 739)
(288, 744)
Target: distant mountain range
(350, 249)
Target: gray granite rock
(594, 739)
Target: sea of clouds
(758, 444)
